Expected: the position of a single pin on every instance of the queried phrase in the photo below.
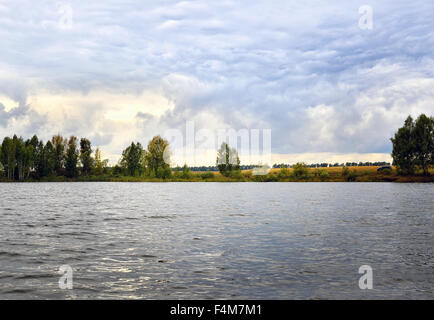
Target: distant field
(337, 170)
(330, 170)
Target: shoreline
(333, 174)
(404, 179)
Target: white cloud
(305, 70)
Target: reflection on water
(216, 240)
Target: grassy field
(364, 174)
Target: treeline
(152, 162)
(61, 157)
(32, 158)
(20, 159)
(285, 165)
(70, 157)
(413, 145)
(330, 165)
(215, 168)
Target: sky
(329, 88)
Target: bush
(164, 172)
(259, 178)
(352, 176)
(150, 173)
(271, 178)
(207, 175)
(186, 173)
(345, 171)
(284, 173)
(386, 172)
(323, 175)
(177, 173)
(301, 171)
(236, 174)
(247, 174)
(117, 170)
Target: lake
(216, 240)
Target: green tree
(1, 162)
(31, 145)
(99, 164)
(59, 144)
(345, 171)
(323, 175)
(300, 170)
(164, 172)
(352, 175)
(227, 160)
(132, 159)
(29, 160)
(423, 136)
(48, 159)
(413, 145)
(177, 173)
(284, 173)
(44, 159)
(86, 156)
(39, 160)
(72, 156)
(403, 152)
(186, 172)
(158, 156)
(8, 157)
(20, 155)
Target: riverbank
(330, 174)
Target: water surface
(216, 240)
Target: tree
(186, 172)
(424, 142)
(24, 158)
(99, 164)
(227, 160)
(8, 157)
(157, 156)
(48, 159)
(31, 145)
(86, 156)
(177, 173)
(301, 170)
(71, 160)
(132, 159)
(164, 172)
(345, 171)
(284, 173)
(20, 157)
(323, 175)
(404, 147)
(413, 145)
(58, 143)
(39, 160)
(1, 163)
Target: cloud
(125, 70)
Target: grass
(332, 174)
